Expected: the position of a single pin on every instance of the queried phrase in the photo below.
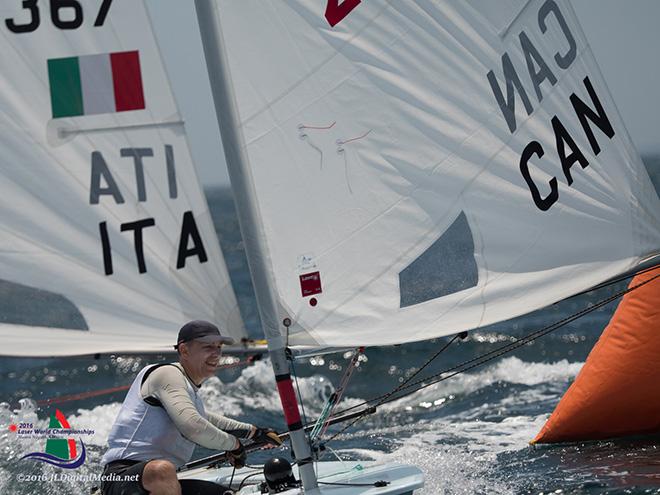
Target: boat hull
(336, 478)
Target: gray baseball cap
(202, 331)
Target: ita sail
(107, 244)
(422, 168)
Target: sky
(623, 35)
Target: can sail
(422, 168)
(107, 243)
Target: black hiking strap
(153, 401)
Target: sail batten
(64, 132)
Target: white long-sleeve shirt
(167, 384)
(163, 417)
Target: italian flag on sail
(93, 84)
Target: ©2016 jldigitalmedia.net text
(75, 477)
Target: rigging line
(377, 484)
(302, 404)
(524, 339)
(233, 472)
(616, 280)
(336, 397)
(242, 484)
(295, 377)
(322, 422)
(82, 395)
(519, 343)
(489, 356)
(403, 385)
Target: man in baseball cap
(163, 418)
(202, 331)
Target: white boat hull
(336, 478)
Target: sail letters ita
(190, 240)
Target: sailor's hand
(238, 456)
(266, 436)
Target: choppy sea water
(468, 434)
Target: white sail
(425, 167)
(105, 230)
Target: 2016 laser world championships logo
(61, 448)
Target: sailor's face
(204, 357)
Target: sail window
(446, 267)
(23, 305)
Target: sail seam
(314, 70)
(504, 32)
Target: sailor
(163, 418)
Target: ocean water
(469, 434)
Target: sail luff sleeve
(239, 171)
(251, 225)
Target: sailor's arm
(236, 428)
(168, 385)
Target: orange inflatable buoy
(617, 392)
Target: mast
(251, 228)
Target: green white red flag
(95, 84)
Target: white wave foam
(454, 469)
(13, 446)
(255, 389)
(99, 419)
(457, 457)
(508, 370)
(511, 434)
(458, 452)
